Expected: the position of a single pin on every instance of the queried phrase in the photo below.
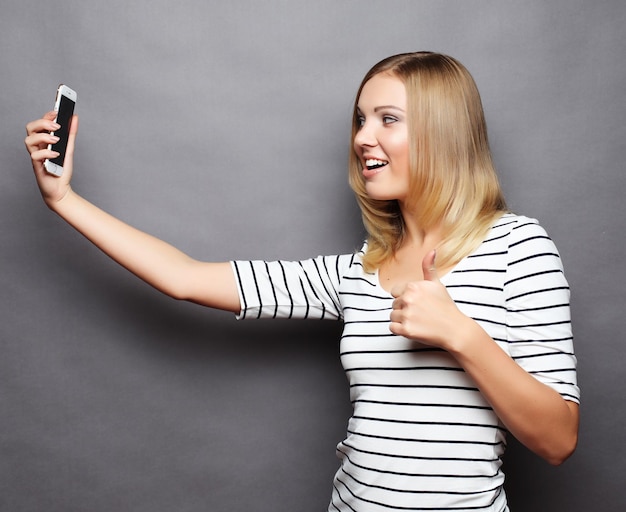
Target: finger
(38, 141)
(397, 290)
(395, 328)
(74, 125)
(45, 124)
(69, 152)
(429, 267)
(43, 154)
(396, 316)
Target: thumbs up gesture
(424, 311)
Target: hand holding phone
(64, 107)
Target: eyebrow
(384, 107)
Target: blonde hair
(454, 184)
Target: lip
(370, 173)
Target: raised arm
(155, 261)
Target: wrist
(57, 204)
(467, 336)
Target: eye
(387, 119)
(360, 121)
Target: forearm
(533, 412)
(151, 259)
(156, 262)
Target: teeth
(372, 163)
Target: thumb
(71, 141)
(68, 163)
(429, 268)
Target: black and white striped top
(422, 437)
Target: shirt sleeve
(290, 289)
(539, 330)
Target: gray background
(222, 127)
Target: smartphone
(64, 107)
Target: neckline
(443, 278)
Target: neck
(418, 236)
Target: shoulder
(519, 238)
(512, 223)
(519, 230)
(529, 246)
(351, 262)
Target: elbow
(558, 459)
(172, 289)
(564, 451)
(177, 286)
(178, 293)
(563, 446)
(557, 452)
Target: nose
(365, 136)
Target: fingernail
(55, 126)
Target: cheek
(400, 148)
(397, 141)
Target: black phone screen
(64, 118)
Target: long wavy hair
(453, 182)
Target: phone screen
(64, 118)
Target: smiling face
(382, 139)
(420, 153)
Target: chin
(377, 194)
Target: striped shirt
(421, 436)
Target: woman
(456, 311)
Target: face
(382, 141)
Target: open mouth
(373, 163)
